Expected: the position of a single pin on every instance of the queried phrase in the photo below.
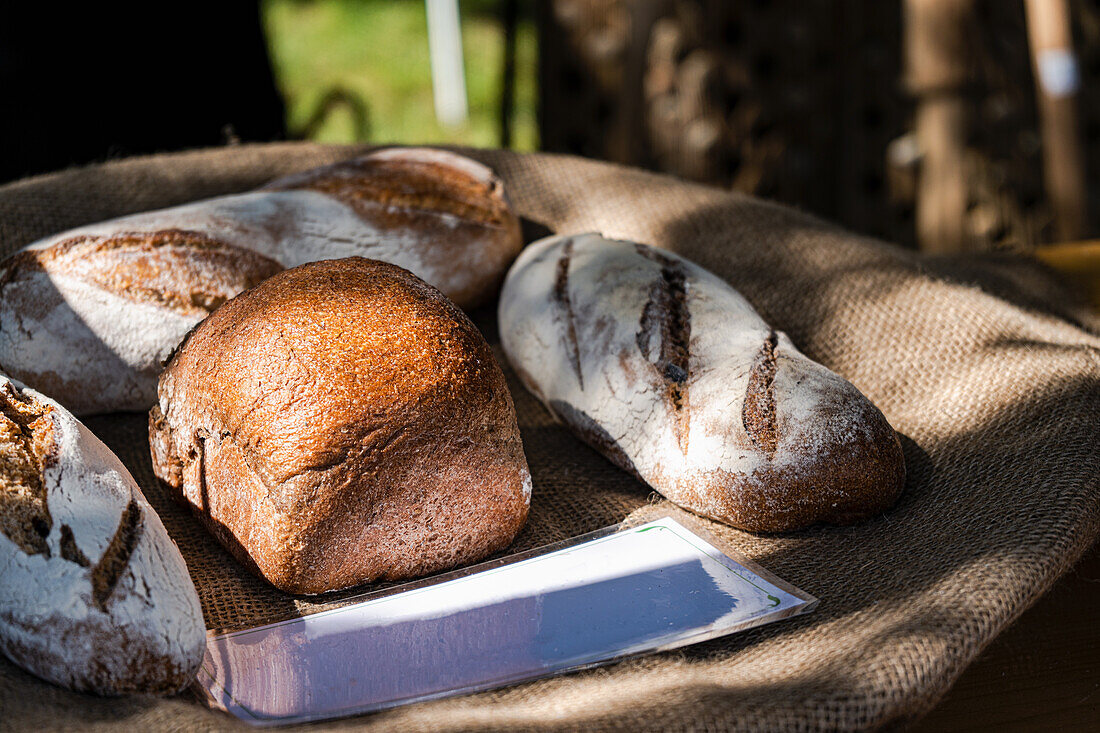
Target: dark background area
(813, 103)
(85, 82)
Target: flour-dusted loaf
(670, 373)
(89, 316)
(94, 595)
(339, 423)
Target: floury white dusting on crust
(670, 373)
(89, 316)
(94, 595)
(432, 156)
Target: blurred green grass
(376, 51)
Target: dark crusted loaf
(339, 423)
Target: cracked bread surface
(94, 595)
(26, 444)
(184, 271)
(340, 423)
(403, 182)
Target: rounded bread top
(325, 358)
(398, 183)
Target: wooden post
(1057, 81)
(937, 71)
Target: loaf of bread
(671, 374)
(94, 595)
(89, 316)
(339, 423)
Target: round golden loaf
(339, 423)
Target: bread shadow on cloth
(947, 568)
(534, 230)
(944, 571)
(32, 704)
(794, 267)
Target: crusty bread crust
(343, 422)
(89, 316)
(94, 595)
(184, 271)
(671, 374)
(466, 233)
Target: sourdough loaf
(339, 423)
(89, 316)
(94, 595)
(671, 374)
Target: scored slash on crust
(70, 550)
(565, 304)
(372, 184)
(664, 337)
(186, 271)
(758, 410)
(27, 447)
(116, 557)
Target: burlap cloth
(988, 371)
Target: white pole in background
(448, 73)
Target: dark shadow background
(83, 82)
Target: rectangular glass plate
(598, 598)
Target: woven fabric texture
(986, 368)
